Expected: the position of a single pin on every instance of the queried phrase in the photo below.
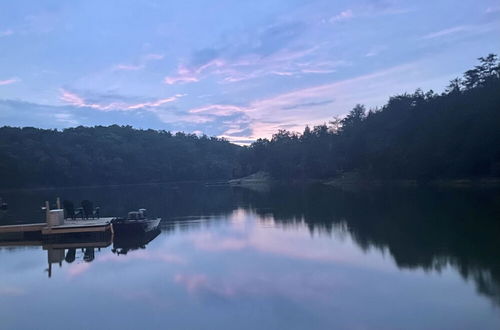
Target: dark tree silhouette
(419, 135)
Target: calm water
(282, 257)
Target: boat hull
(134, 227)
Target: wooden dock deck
(79, 226)
(29, 227)
(68, 227)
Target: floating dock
(68, 227)
(56, 226)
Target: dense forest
(422, 136)
(109, 155)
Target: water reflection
(295, 256)
(421, 228)
(66, 248)
(58, 253)
(123, 244)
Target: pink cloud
(78, 269)
(343, 16)
(191, 282)
(143, 61)
(281, 63)
(307, 285)
(166, 257)
(9, 81)
(446, 32)
(197, 283)
(180, 79)
(11, 291)
(300, 107)
(71, 98)
(208, 242)
(218, 109)
(6, 33)
(188, 75)
(154, 57)
(128, 67)
(78, 101)
(156, 103)
(284, 243)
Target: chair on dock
(69, 208)
(88, 209)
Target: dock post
(58, 203)
(47, 211)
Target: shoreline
(265, 179)
(443, 183)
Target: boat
(136, 223)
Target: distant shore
(449, 183)
(352, 180)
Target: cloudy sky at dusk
(235, 69)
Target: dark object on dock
(97, 212)
(69, 208)
(88, 208)
(135, 223)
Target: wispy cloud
(307, 104)
(375, 9)
(446, 32)
(284, 63)
(342, 16)
(128, 67)
(270, 51)
(184, 75)
(79, 101)
(9, 81)
(6, 33)
(218, 110)
(312, 105)
(141, 64)
(66, 118)
(491, 10)
(192, 74)
(154, 57)
(374, 51)
(461, 30)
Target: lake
(265, 257)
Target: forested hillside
(109, 155)
(422, 136)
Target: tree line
(109, 155)
(420, 135)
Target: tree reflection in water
(421, 228)
(424, 228)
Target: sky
(241, 70)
